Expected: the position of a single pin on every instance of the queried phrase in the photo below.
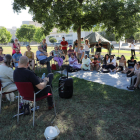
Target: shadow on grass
(94, 112)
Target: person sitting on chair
(6, 77)
(22, 74)
(42, 57)
(86, 63)
(16, 57)
(70, 51)
(73, 62)
(30, 56)
(61, 52)
(56, 54)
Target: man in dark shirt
(99, 47)
(22, 74)
(131, 63)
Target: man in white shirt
(132, 46)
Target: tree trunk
(79, 36)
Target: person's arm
(13, 47)
(19, 46)
(46, 46)
(43, 84)
(43, 53)
(82, 55)
(125, 63)
(32, 56)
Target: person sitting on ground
(112, 64)
(16, 57)
(61, 52)
(30, 56)
(42, 57)
(1, 55)
(70, 51)
(131, 64)
(98, 58)
(94, 64)
(22, 74)
(134, 71)
(137, 72)
(56, 54)
(6, 77)
(81, 53)
(122, 64)
(73, 62)
(106, 61)
(86, 63)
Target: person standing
(44, 45)
(64, 47)
(15, 45)
(1, 55)
(132, 46)
(99, 47)
(87, 46)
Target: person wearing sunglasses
(1, 55)
(15, 45)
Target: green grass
(95, 112)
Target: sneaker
(110, 70)
(27, 109)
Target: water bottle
(43, 75)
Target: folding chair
(7, 92)
(38, 64)
(26, 90)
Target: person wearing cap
(87, 46)
(30, 56)
(70, 51)
(64, 47)
(15, 45)
(99, 47)
(132, 46)
(86, 63)
(57, 56)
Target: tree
(26, 33)
(5, 36)
(52, 40)
(39, 35)
(137, 36)
(118, 17)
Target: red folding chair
(26, 90)
(2, 93)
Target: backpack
(53, 67)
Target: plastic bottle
(43, 75)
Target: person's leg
(134, 53)
(46, 90)
(138, 80)
(91, 67)
(97, 67)
(112, 67)
(131, 52)
(61, 61)
(33, 65)
(49, 58)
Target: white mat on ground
(117, 80)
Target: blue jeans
(87, 52)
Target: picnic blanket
(117, 80)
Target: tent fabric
(93, 39)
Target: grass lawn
(95, 112)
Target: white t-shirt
(132, 46)
(114, 62)
(86, 48)
(108, 61)
(81, 51)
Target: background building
(36, 24)
(13, 32)
(69, 37)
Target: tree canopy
(52, 40)
(26, 33)
(5, 36)
(39, 35)
(116, 16)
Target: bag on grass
(53, 67)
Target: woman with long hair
(1, 55)
(87, 46)
(6, 77)
(30, 55)
(122, 64)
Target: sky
(8, 18)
